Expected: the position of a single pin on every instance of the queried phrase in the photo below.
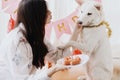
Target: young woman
(23, 50)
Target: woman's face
(49, 17)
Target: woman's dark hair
(33, 14)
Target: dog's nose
(80, 22)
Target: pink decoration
(72, 18)
(61, 26)
(99, 1)
(10, 6)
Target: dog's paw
(69, 44)
(61, 47)
(64, 46)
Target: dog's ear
(98, 6)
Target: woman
(23, 50)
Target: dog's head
(90, 14)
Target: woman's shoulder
(15, 36)
(18, 34)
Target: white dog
(93, 40)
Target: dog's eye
(89, 14)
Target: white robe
(16, 58)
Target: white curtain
(112, 14)
(4, 19)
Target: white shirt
(16, 58)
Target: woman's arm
(54, 52)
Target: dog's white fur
(91, 13)
(93, 41)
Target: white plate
(84, 59)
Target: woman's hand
(54, 55)
(55, 69)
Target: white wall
(112, 14)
